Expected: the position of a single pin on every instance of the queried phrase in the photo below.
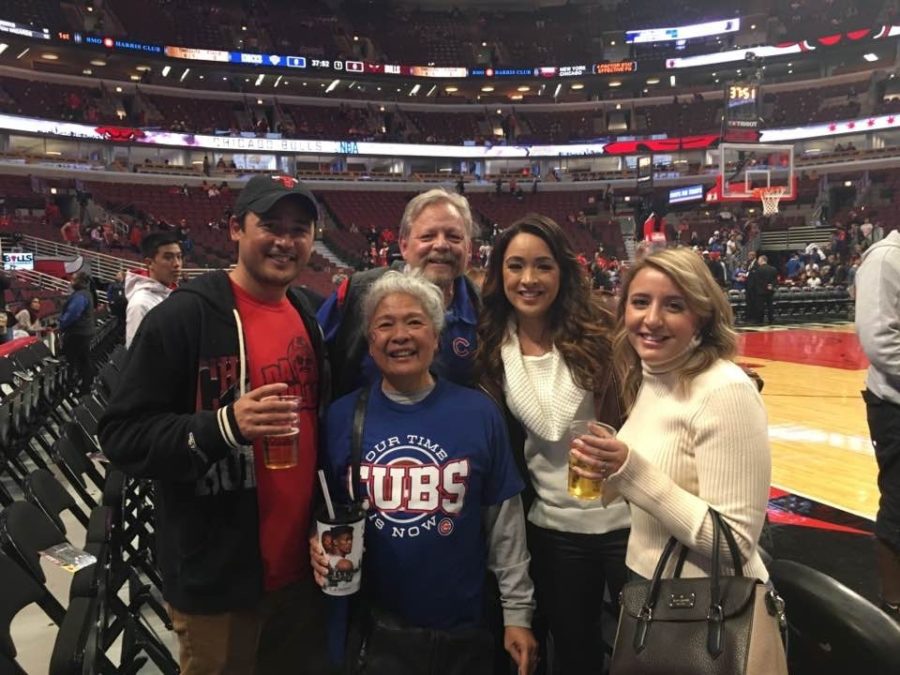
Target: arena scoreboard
(741, 119)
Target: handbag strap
(715, 616)
(730, 541)
(733, 549)
(359, 421)
(715, 638)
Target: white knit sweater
(543, 396)
(692, 447)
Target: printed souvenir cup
(282, 451)
(342, 539)
(580, 487)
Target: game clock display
(741, 94)
(741, 121)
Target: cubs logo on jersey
(412, 487)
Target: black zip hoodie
(172, 420)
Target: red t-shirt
(279, 350)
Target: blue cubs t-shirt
(427, 471)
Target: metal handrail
(42, 280)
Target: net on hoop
(770, 198)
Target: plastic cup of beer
(282, 451)
(342, 540)
(579, 486)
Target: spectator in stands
(765, 280)
(436, 232)
(794, 266)
(878, 327)
(28, 319)
(52, 213)
(827, 269)
(199, 394)
(110, 236)
(96, 237)
(696, 436)
(6, 321)
(717, 268)
(484, 253)
(813, 254)
(839, 273)
(146, 288)
(545, 356)
(840, 240)
(182, 229)
(115, 298)
(136, 235)
(71, 231)
(76, 325)
(865, 234)
(206, 165)
(430, 590)
(851, 276)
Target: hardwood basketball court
(824, 493)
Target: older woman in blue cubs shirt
(442, 499)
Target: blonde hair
(703, 296)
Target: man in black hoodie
(195, 405)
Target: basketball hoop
(770, 198)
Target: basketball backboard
(745, 168)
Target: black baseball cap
(261, 193)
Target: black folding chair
(832, 630)
(17, 591)
(76, 647)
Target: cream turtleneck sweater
(692, 447)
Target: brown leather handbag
(717, 625)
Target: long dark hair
(580, 328)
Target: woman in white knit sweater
(696, 435)
(545, 355)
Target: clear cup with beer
(282, 451)
(579, 486)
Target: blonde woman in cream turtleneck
(545, 355)
(696, 435)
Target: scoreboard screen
(741, 120)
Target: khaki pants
(285, 633)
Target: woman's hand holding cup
(598, 454)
